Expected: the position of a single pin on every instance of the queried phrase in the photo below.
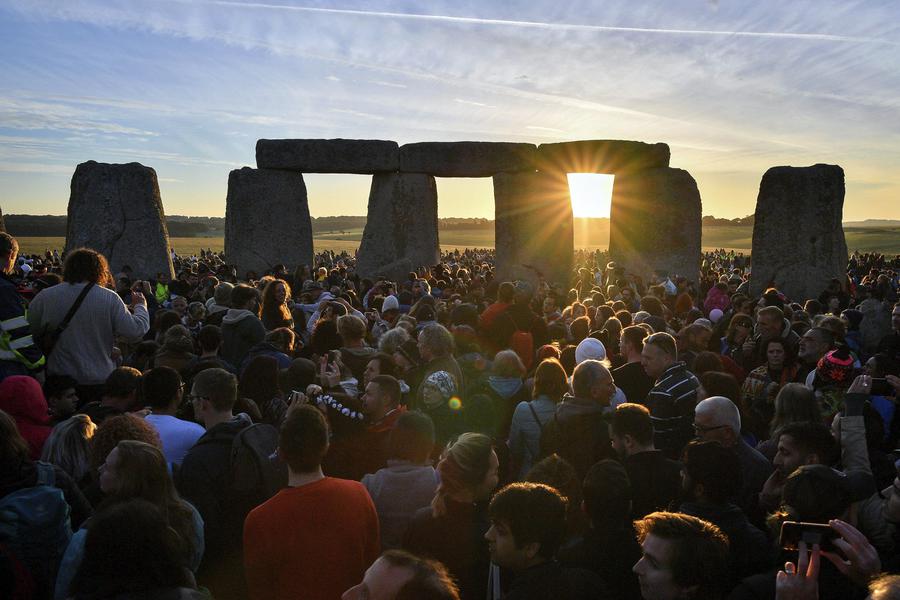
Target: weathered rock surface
(655, 220)
(467, 159)
(267, 220)
(116, 210)
(798, 239)
(602, 156)
(2, 222)
(401, 231)
(534, 235)
(328, 156)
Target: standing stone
(328, 156)
(534, 231)
(401, 231)
(2, 222)
(117, 211)
(655, 223)
(798, 239)
(267, 220)
(467, 159)
(613, 157)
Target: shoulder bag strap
(65, 322)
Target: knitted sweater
(83, 351)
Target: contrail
(822, 37)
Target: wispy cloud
(472, 103)
(480, 21)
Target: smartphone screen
(793, 532)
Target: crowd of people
(448, 435)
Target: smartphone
(793, 532)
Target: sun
(591, 194)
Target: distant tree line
(182, 226)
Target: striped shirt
(671, 403)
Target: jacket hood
(226, 430)
(505, 387)
(22, 398)
(235, 315)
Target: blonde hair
(464, 467)
(68, 446)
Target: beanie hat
(590, 349)
(715, 315)
(390, 303)
(835, 368)
(704, 322)
(442, 382)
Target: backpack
(581, 441)
(35, 528)
(522, 342)
(256, 474)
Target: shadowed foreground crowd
(317, 435)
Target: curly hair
(85, 265)
(115, 429)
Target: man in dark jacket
(205, 480)
(18, 353)
(528, 522)
(655, 480)
(672, 399)
(608, 547)
(241, 327)
(577, 431)
(712, 476)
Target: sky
(188, 86)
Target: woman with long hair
(740, 329)
(131, 551)
(68, 447)
(763, 383)
(275, 312)
(137, 470)
(795, 403)
(529, 418)
(452, 529)
(259, 382)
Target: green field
(864, 239)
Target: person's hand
(862, 562)
(894, 382)
(861, 385)
(295, 400)
(748, 347)
(313, 390)
(137, 299)
(800, 581)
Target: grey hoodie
(241, 330)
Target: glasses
(700, 429)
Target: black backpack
(256, 472)
(581, 441)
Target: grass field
(864, 239)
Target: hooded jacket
(21, 397)
(578, 432)
(204, 480)
(241, 330)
